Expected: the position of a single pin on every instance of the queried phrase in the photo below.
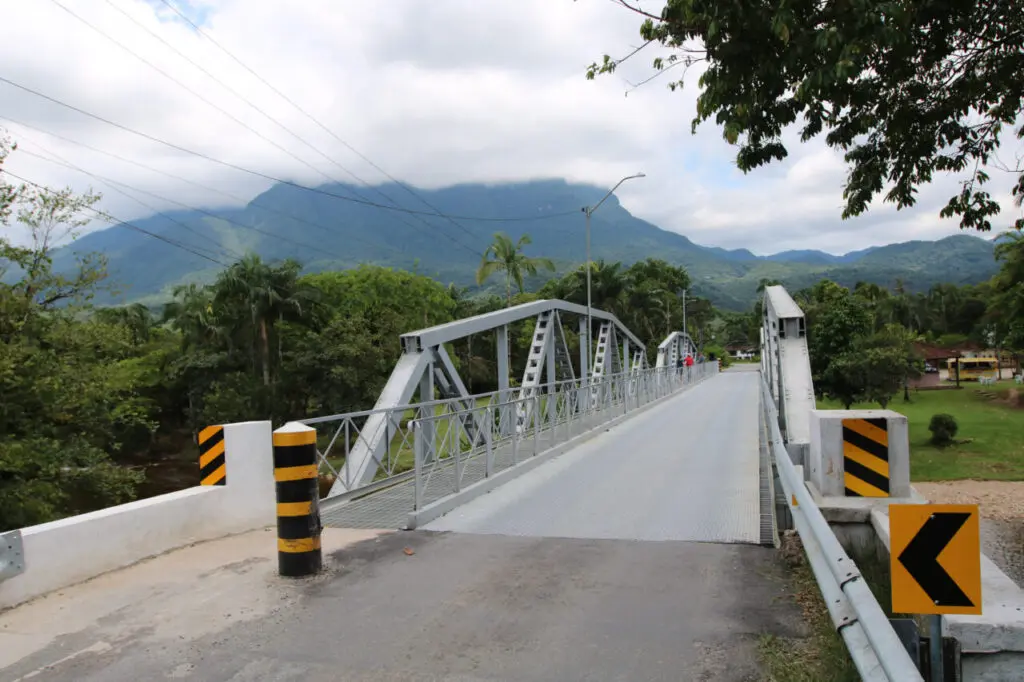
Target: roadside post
(298, 501)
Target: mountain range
(338, 226)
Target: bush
(943, 428)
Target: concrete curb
(446, 504)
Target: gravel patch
(1002, 517)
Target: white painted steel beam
(450, 331)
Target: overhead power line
(106, 217)
(185, 206)
(279, 124)
(191, 91)
(229, 195)
(228, 114)
(312, 118)
(266, 176)
(113, 185)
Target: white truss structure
(674, 349)
(426, 368)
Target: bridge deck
(686, 470)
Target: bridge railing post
(536, 424)
(418, 453)
(489, 462)
(455, 443)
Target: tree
(837, 320)
(897, 358)
(865, 374)
(8, 193)
(268, 294)
(70, 390)
(1007, 303)
(904, 90)
(504, 256)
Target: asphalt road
(687, 469)
(460, 607)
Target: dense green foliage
(904, 90)
(70, 393)
(862, 340)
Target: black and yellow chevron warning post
(298, 507)
(866, 457)
(213, 468)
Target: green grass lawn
(990, 440)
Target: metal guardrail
(475, 443)
(12, 555)
(874, 646)
(463, 428)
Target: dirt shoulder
(1002, 517)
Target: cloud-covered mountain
(325, 231)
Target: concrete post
(298, 501)
(249, 458)
(860, 453)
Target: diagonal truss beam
(674, 349)
(425, 367)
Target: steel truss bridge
(614, 447)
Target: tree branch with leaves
(904, 91)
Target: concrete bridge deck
(687, 469)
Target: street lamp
(589, 211)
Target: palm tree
(190, 312)
(269, 293)
(503, 256)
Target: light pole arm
(590, 211)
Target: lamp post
(589, 211)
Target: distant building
(742, 352)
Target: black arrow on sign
(921, 559)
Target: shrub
(943, 428)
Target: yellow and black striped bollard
(298, 509)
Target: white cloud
(435, 92)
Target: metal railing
(449, 442)
(874, 646)
(501, 434)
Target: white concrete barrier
(71, 550)
(830, 455)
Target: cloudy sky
(434, 93)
